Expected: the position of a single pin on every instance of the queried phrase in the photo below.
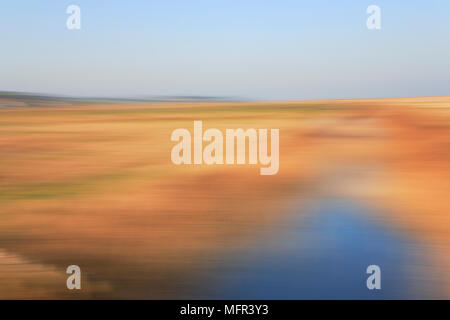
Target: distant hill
(25, 99)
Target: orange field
(93, 185)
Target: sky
(263, 50)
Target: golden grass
(94, 185)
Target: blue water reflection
(321, 255)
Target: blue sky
(249, 49)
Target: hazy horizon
(199, 97)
